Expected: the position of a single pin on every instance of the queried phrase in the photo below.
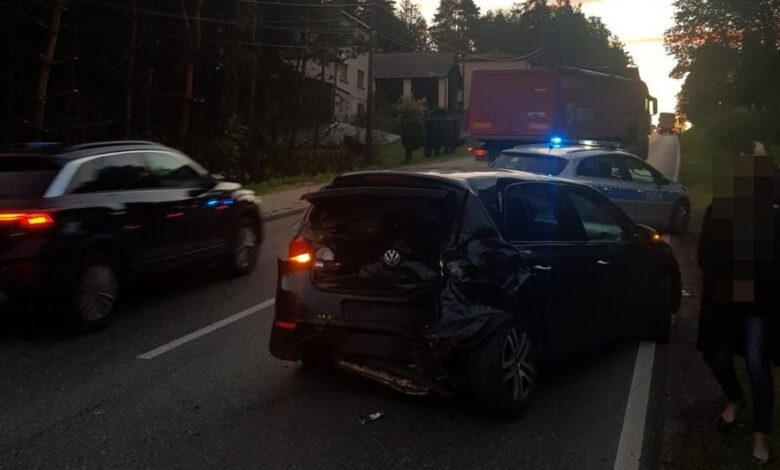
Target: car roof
(567, 151)
(473, 181)
(63, 153)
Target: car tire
(93, 297)
(678, 221)
(660, 329)
(503, 371)
(244, 248)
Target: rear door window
(25, 177)
(640, 172)
(532, 163)
(172, 172)
(604, 166)
(124, 172)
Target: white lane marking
(633, 433)
(677, 163)
(205, 330)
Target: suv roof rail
(106, 143)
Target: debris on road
(371, 417)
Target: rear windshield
(369, 216)
(532, 163)
(25, 177)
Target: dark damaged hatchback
(431, 283)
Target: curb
(281, 214)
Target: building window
(361, 79)
(343, 72)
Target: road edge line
(205, 330)
(633, 432)
(678, 163)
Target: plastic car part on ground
(370, 417)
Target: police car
(640, 190)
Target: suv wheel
(244, 248)
(503, 371)
(94, 296)
(678, 222)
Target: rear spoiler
(394, 191)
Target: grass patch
(709, 450)
(697, 153)
(387, 157)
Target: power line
(302, 5)
(219, 21)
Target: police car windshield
(532, 163)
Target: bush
(411, 113)
(412, 137)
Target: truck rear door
(512, 104)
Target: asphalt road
(221, 400)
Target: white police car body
(639, 189)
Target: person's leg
(721, 363)
(759, 371)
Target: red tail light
(480, 153)
(299, 250)
(31, 220)
(286, 325)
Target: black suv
(431, 282)
(76, 218)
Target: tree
(728, 51)
(58, 7)
(455, 26)
(416, 26)
(562, 31)
(411, 114)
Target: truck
(507, 108)
(666, 123)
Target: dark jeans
(758, 366)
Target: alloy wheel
(245, 252)
(97, 294)
(519, 372)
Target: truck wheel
(93, 298)
(242, 258)
(678, 221)
(503, 371)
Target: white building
(349, 79)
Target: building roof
(495, 56)
(412, 65)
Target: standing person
(738, 251)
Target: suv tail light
(29, 220)
(299, 250)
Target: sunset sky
(638, 23)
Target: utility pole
(370, 92)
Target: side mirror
(217, 177)
(647, 234)
(663, 181)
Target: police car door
(650, 204)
